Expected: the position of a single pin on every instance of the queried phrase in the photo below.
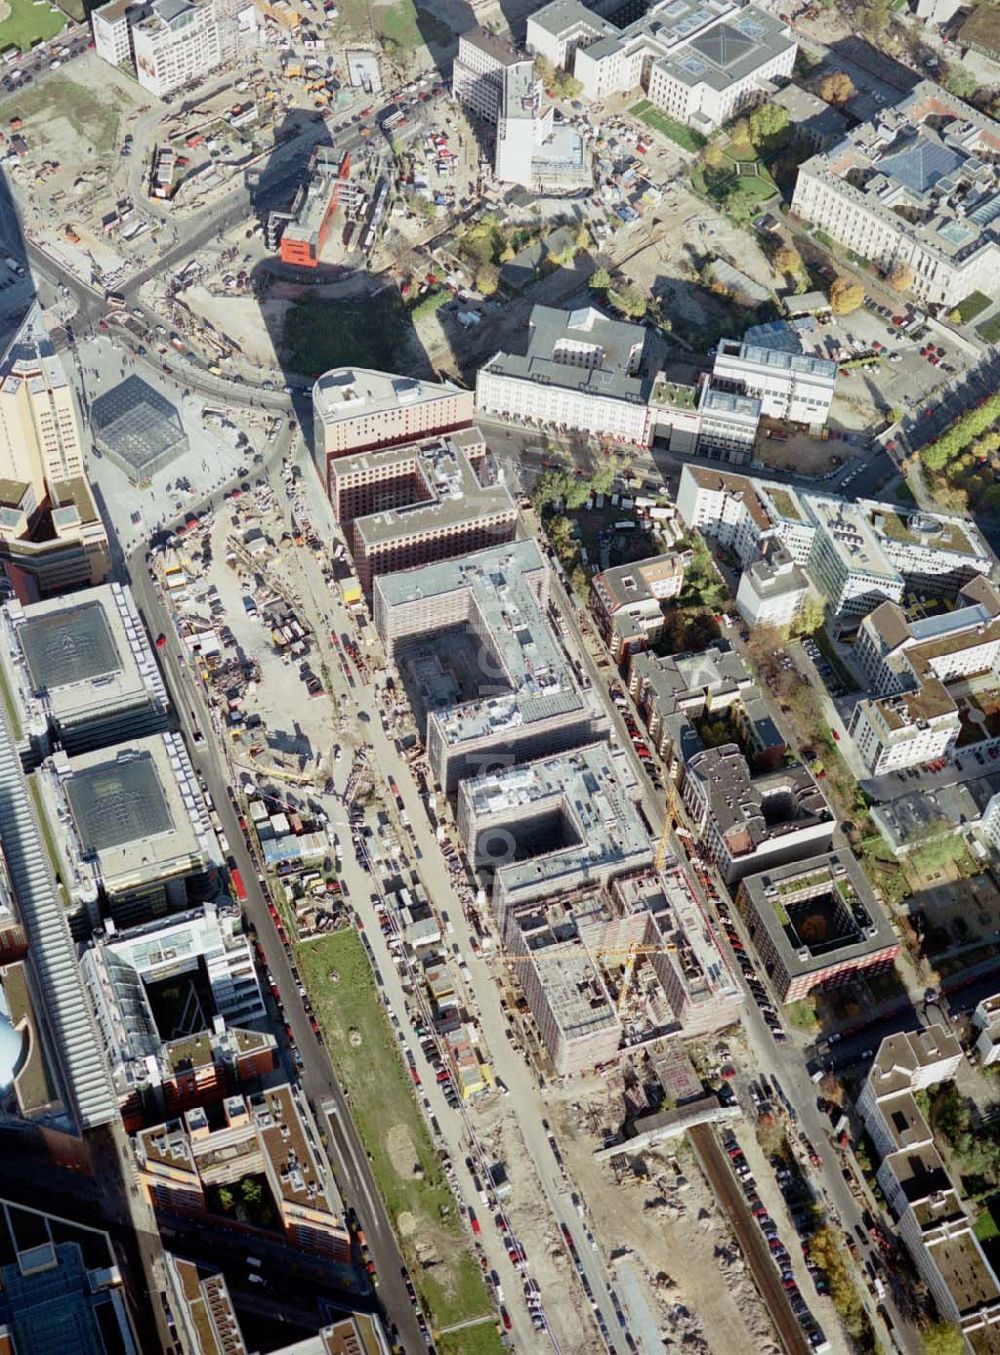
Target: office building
(110, 26)
(52, 538)
(486, 676)
(581, 372)
(548, 826)
(183, 1164)
(40, 432)
(79, 672)
(816, 924)
(791, 386)
(498, 88)
(917, 187)
(700, 61)
(174, 43)
(813, 123)
(627, 602)
(856, 555)
(132, 838)
(930, 1214)
(174, 999)
(925, 676)
(60, 1286)
(412, 505)
(357, 410)
(726, 425)
(772, 589)
(747, 824)
(300, 234)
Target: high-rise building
(171, 42)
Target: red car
(161, 641)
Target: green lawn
(93, 114)
(685, 137)
(481, 1340)
(991, 330)
(28, 24)
(986, 1226)
(403, 23)
(391, 1126)
(371, 333)
(973, 305)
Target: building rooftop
(690, 681)
(750, 811)
(819, 911)
(928, 166)
(450, 483)
(728, 52)
(901, 1057)
(849, 530)
(601, 824)
(328, 168)
(641, 581)
(78, 658)
(127, 815)
(739, 487)
(584, 350)
(775, 573)
(358, 392)
(776, 359)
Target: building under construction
(300, 234)
(605, 969)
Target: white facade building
(772, 589)
(171, 42)
(917, 186)
(790, 386)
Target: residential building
(427, 501)
(791, 386)
(182, 1163)
(700, 62)
(627, 601)
(54, 546)
(79, 672)
(132, 840)
(915, 188)
(670, 691)
(856, 555)
(816, 924)
(487, 679)
(922, 673)
(749, 824)
(477, 76)
(161, 1065)
(358, 410)
(772, 589)
(546, 827)
(582, 371)
(111, 29)
(928, 1209)
(986, 1027)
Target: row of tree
(962, 434)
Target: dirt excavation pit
(672, 1239)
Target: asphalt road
(317, 1076)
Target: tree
(740, 135)
(581, 240)
(811, 616)
(836, 88)
(250, 1190)
(943, 1338)
(600, 280)
(603, 478)
(545, 71)
(872, 18)
(788, 260)
(845, 296)
(769, 126)
(487, 278)
(630, 301)
(226, 1200)
(713, 156)
(901, 276)
(560, 531)
(960, 82)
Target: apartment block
(747, 824)
(816, 924)
(181, 1163)
(627, 601)
(487, 679)
(358, 410)
(701, 61)
(670, 691)
(772, 589)
(924, 674)
(930, 1214)
(986, 1028)
(855, 554)
(914, 187)
(428, 501)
